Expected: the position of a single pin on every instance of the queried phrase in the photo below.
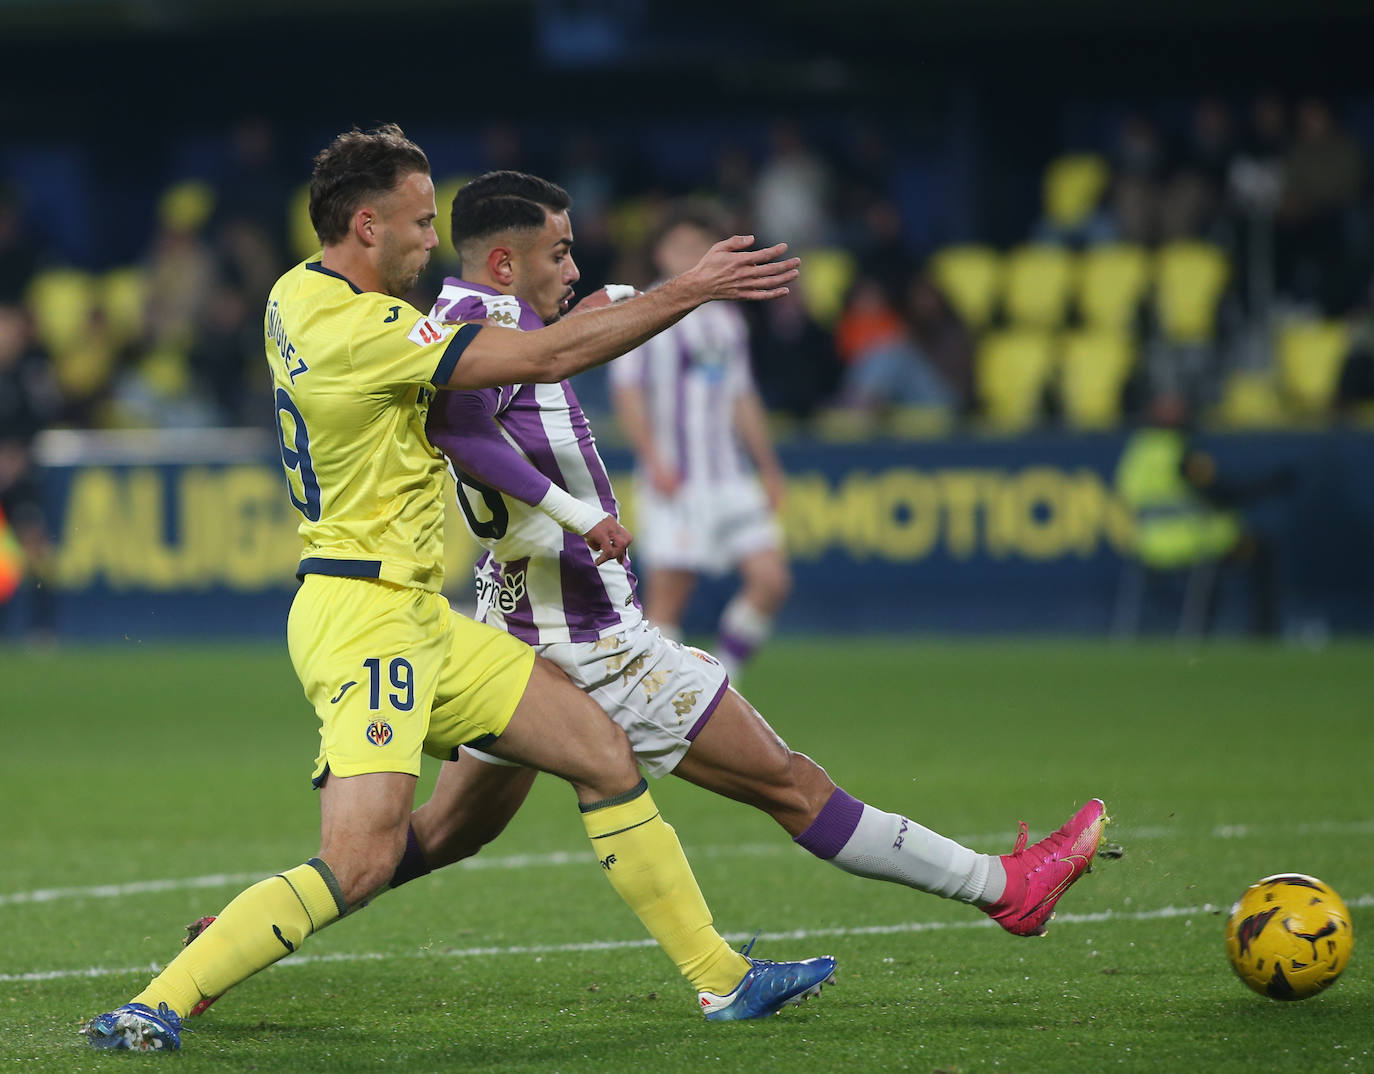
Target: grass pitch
(144, 786)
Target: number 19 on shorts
(398, 682)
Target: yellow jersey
(353, 373)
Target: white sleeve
(570, 512)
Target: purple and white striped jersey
(535, 580)
(692, 375)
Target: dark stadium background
(130, 80)
(108, 104)
(148, 776)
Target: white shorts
(704, 530)
(660, 691)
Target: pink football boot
(1038, 874)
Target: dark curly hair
(503, 201)
(355, 167)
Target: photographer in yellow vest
(1186, 514)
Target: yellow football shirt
(353, 373)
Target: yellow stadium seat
(827, 273)
(300, 231)
(1038, 280)
(1093, 366)
(61, 301)
(1072, 187)
(124, 302)
(84, 369)
(1112, 280)
(631, 222)
(1311, 354)
(1190, 277)
(186, 207)
(167, 372)
(970, 277)
(1013, 367)
(1249, 400)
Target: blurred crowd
(1282, 191)
(1276, 193)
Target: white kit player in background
(708, 484)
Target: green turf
(1219, 765)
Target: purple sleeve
(463, 426)
(467, 308)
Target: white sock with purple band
(885, 846)
(743, 628)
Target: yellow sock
(645, 864)
(265, 923)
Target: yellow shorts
(393, 671)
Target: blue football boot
(768, 987)
(135, 1027)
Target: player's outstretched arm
(729, 270)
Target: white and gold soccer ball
(1289, 936)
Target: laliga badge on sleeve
(425, 332)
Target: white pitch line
(138, 887)
(1162, 913)
(217, 880)
(1115, 833)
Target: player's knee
(609, 760)
(616, 752)
(363, 868)
(776, 782)
(774, 769)
(780, 584)
(360, 880)
(594, 748)
(801, 793)
(771, 581)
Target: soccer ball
(1289, 936)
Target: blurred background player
(708, 482)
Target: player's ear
(365, 226)
(501, 265)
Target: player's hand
(730, 270)
(665, 480)
(609, 538)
